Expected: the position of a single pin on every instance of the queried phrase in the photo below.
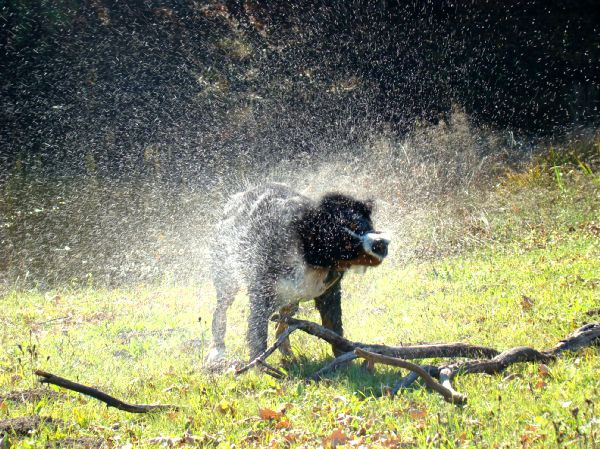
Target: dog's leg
(225, 298)
(261, 308)
(286, 347)
(329, 306)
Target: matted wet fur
(287, 248)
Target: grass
(146, 344)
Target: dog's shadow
(353, 376)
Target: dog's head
(339, 233)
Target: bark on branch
(493, 362)
(405, 352)
(48, 378)
(445, 390)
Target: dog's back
(255, 228)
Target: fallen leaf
(172, 415)
(541, 384)
(417, 413)
(531, 434)
(527, 302)
(543, 370)
(337, 438)
(283, 424)
(268, 414)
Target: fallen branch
(341, 360)
(405, 352)
(412, 377)
(260, 360)
(495, 362)
(271, 370)
(447, 392)
(586, 335)
(582, 337)
(47, 378)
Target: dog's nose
(376, 244)
(380, 247)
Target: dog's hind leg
(225, 297)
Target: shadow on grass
(354, 375)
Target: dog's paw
(215, 355)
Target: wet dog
(287, 248)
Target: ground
(532, 280)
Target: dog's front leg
(330, 308)
(261, 308)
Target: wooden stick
(586, 335)
(500, 362)
(47, 378)
(404, 352)
(447, 393)
(271, 370)
(411, 378)
(445, 377)
(343, 359)
(261, 358)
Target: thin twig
(448, 394)
(262, 357)
(271, 370)
(48, 378)
(343, 359)
(411, 377)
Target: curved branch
(405, 352)
(262, 357)
(412, 377)
(48, 378)
(449, 394)
(343, 359)
(582, 337)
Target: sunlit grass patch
(530, 279)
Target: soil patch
(23, 425)
(33, 395)
(75, 443)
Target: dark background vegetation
(118, 87)
(120, 120)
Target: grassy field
(147, 344)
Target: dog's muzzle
(374, 243)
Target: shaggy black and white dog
(287, 248)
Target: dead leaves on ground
(276, 418)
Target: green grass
(145, 344)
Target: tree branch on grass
(48, 378)
(495, 362)
(445, 390)
(260, 360)
(405, 352)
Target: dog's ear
(370, 205)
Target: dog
(286, 248)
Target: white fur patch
(303, 283)
(215, 355)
